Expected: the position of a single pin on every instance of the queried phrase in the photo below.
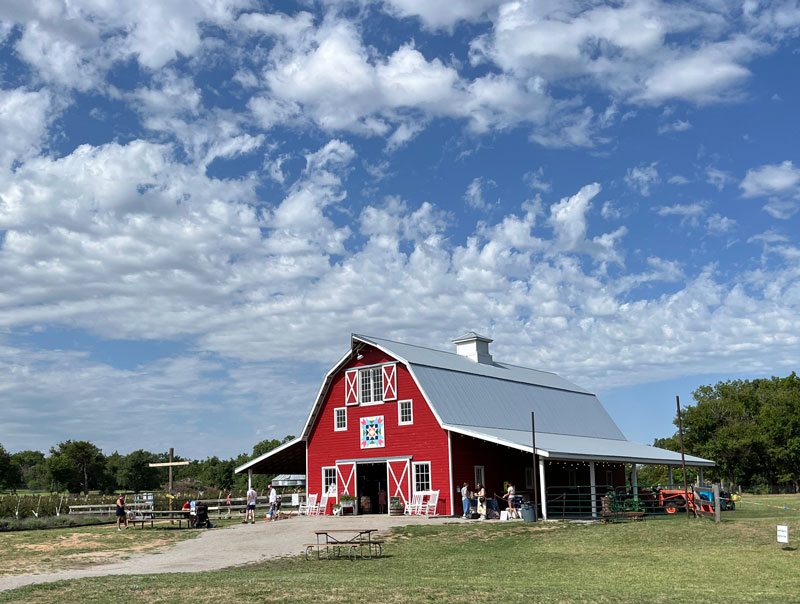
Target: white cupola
(473, 346)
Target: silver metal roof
(419, 355)
(564, 446)
(475, 400)
(494, 402)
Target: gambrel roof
(493, 402)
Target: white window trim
(336, 427)
(335, 481)
(360, 373)
(414, 474)
(400, 422)
(482, 481)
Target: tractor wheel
(670, 507)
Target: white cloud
(535, 180)
(775, 179)
(676, 126)
(440, 14)
(677, 179)
(718, 178)
(642, 177)
(474, 194)
(779, 182)
(720, 225)
(24, 117)
(689, 213)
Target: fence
(610, 502)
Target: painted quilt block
(372, 432)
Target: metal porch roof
(289, 458)
(564, 446)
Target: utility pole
(683, 456)
(535, 486)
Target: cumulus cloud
(720, 225)
(690, 213)
(779, 182)
(775, 179)
(640, 178)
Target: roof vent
(473, 346)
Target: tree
(135, 474)
(751, 429)
(10, 476)
(32, 468)
(85, 459)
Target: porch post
(543, 488)
(249, 479)
(669, 475)
(635, 481)
(593, 484)
(700, 481)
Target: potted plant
(337, 509)
(348, 502)
(633, 508)
(396, 507)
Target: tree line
(80, 466)
(750, 428)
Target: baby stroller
(202, 517)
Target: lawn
(665, 560)
(40, 551)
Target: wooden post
(543, 487)
(535, 496)
(169, 464)
(171, 459)
(717, 505)
(683, 456)
(593, 484)
(635, 481)
(670, 479)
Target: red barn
(400, 418)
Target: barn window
(405, 413)
(479, 478)
(529, 478)
(609, 478)
(340, 419)
(422, 477)
(371, 380)
(573, 478)
(329, 480)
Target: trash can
(529, 512)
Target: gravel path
(221, 548)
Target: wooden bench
(141, 521)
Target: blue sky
(200, 202)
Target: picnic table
(358, 543)
(152, 515)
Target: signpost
(169, 464)
(783, 533)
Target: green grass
(668, 560)
(42, 551)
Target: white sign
(783, 533)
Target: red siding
(424, 440)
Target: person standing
(382, 501)
(192, 512)
(250, 508)
(512, 506)
(481, 500)
(465, 499)
(228, 503)
(121, 513)
(273, 501)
